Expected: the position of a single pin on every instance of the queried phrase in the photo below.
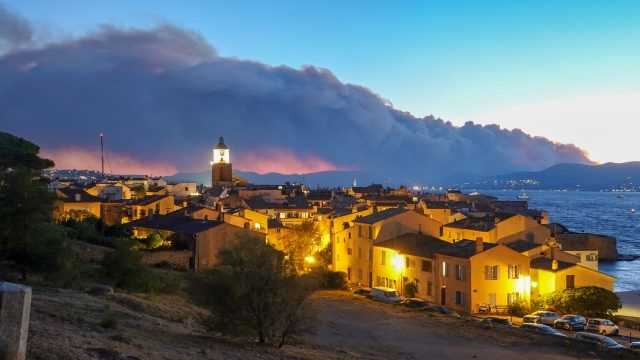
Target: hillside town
(471, 253)
(110, 262)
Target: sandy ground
(366, 329)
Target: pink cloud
(283, 162)
(79, 158)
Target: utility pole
(102, 154)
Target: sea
(608, 213)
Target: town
(335, 180)
(467, 252)
(450, 252)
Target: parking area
(367, 329)
(544, 323)
(625, 337)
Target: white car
(603, 326)
(541, 317)
(385, 295)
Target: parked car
(635, 346)
(542, 329)
(442, 310)
(362, 292)
(414, 303)
(494, 320)
(571, 322)
(385, 295)
(541, 317)
(603, 342)
(603, 326)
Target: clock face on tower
(221, 156)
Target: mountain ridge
(606, 176)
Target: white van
(385, 295)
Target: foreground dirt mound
(68, 324)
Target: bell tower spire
(221, 170)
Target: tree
(253, 290)
(124, 267)
(25, 201)
(302, 242)
(51, 253)
(410, 289)
(155, 240)
(590, 301)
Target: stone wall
(606, 245)
(179, 259)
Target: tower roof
(221, 144)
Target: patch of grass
(109, 321)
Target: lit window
(491, 272)
(445, 269)
(514, 272)
(460, 272)
(283, 215)
(257, 226)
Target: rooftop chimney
(78, 196)
(479, 245)
(554, 264)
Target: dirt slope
(68, 324)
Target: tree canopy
(253, 290)
(18, 152)
(25, 201)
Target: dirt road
(365, 329)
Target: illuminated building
(221, 171)
(407, 258)
(471, 274)
(353, 247)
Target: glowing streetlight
(310, 259)
(398, 262)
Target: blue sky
(566, 70)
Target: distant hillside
(609, 176)
(323, 179)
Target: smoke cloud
(15, 30)
(163, 96)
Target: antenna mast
(102, 155)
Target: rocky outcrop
(606, 245)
